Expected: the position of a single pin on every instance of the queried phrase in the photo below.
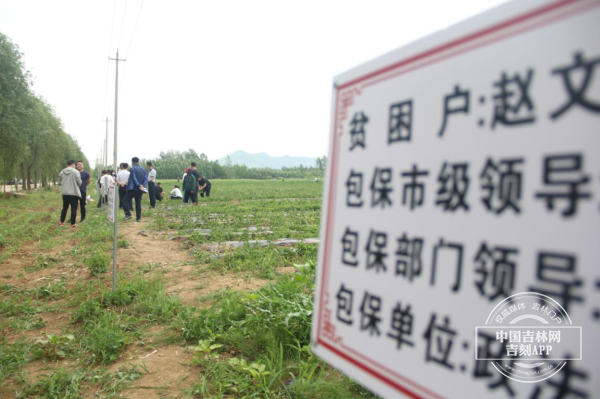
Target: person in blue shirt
(136, 187)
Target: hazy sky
(215, 76)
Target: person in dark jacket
(204, 186)
(158, 191)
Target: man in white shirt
(175, 193)
(151, 185)
(105, 182)
(122, 180)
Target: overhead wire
(112, 28)
(134, 29)
(122, 24)
(128, 51)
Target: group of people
(132, 184)
(193, 183)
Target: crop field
(212, 301)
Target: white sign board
(112, 197)
(464, 169)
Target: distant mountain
(263, 160)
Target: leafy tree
(321, 162)
(14, 91)
(171, 164)
(32, 140)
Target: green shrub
(98, 263)
(107, 336)
(51, 291)
(87, 310)
(225, 312)
(276, 316)
(54, 346)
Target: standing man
(101, 181)
(70, 181)
(100, 196)
(185, 172)
(204, 186)
(105, 182)
(194, 171)
(189, 188)
(86, 178)
(151, 185)
(138, 180)
(122, 180)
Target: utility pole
(105, 160)
(115, 202)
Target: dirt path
(170, 372)
(169, 369)
(156, 251)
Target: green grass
(58, 384)
(258, 260)
(28, 219)
(244, 344)
(13, 357)
(242, 210)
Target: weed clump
(107, 336)
(58, 384)
(13, 357)
(98, 263)
(278, 314)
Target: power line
(122, 24)
(134, 29)
(112, 28)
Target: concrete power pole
(105, 160)
(115, 202)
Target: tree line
(33, 144)
(171, 165)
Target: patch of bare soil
(55, 324)
(191, 291)
(169, 375)
(20, 269)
